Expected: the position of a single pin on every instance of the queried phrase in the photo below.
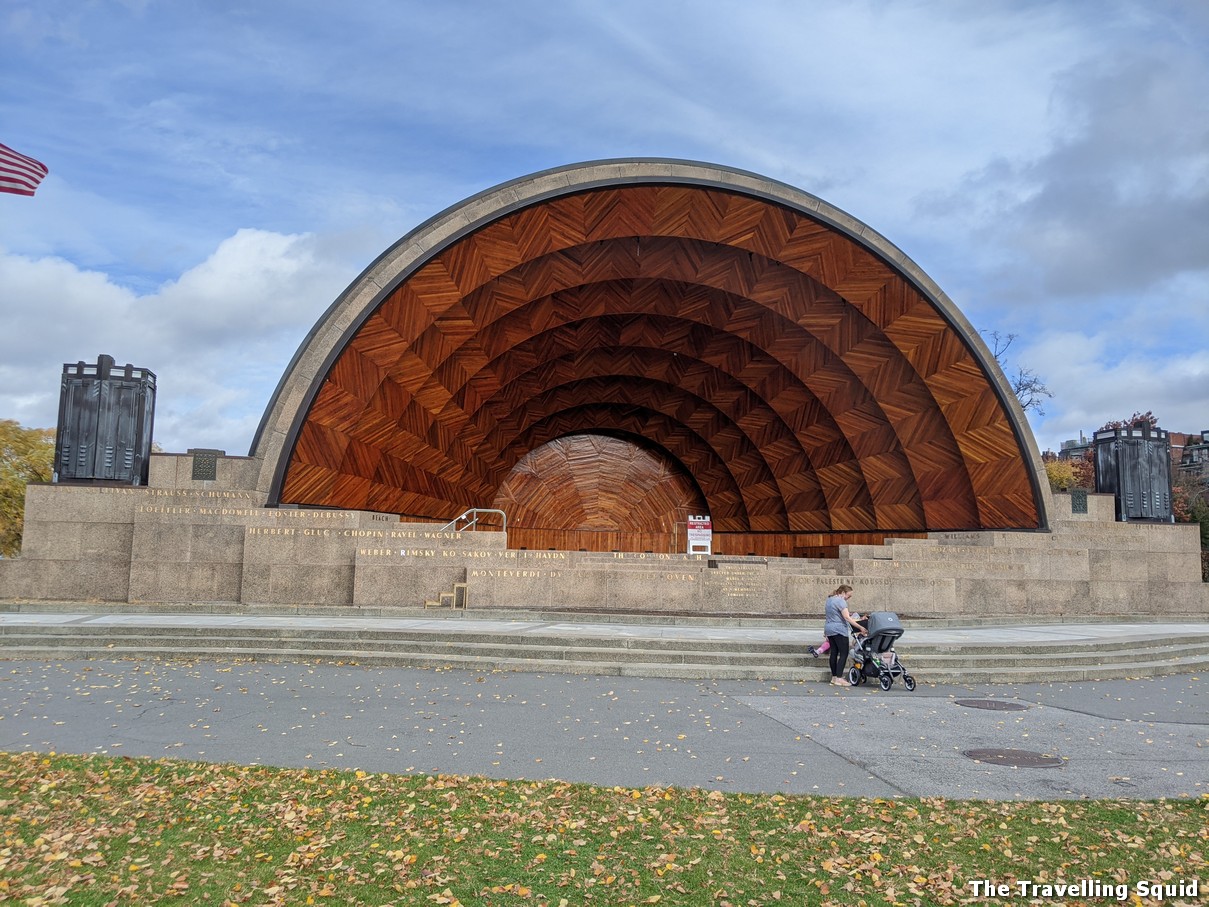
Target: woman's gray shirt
(833, 621)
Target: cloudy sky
(221, 171)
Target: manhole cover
(1014, 758)
(994, 705)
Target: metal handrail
(472, 518)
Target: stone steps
(687, 671)
(568, 652)
(369, 638)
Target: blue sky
(221, 171)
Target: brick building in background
(1194, 455)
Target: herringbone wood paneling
(598, 482)
(803, 383)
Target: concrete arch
(852, 352)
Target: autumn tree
(26, 455)
(1077, 472)
(1189, 504)
(1061, 474)
(1147, 417)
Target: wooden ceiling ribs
(658, 303)
(801, 382)
(699, 463)
(703, 426)
(599, 482)
(585, 350)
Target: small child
(816, 651)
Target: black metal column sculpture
(1135, 465)
(105, 422)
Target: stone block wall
(80, 538)
(175, 471)
(182, 541)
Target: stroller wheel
(885, 681)
(909, 682)
(854, 676)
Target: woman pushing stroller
(838, 623)
(824, 647)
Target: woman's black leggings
(838, 654)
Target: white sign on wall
(700, 535)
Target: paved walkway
(1132, 738)
(1008, 635)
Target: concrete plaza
(1140, 738)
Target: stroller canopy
(884, 629)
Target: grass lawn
(99, 830)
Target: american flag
(19, 174)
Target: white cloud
(1120, 200)
(249, 287)
(1093, 386)
(218, 338)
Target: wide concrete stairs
(581, 644)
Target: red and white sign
(700, 535)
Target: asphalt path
(1143, 738)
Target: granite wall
(183, 542)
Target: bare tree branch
(1027, 385)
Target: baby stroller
(874, 655)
